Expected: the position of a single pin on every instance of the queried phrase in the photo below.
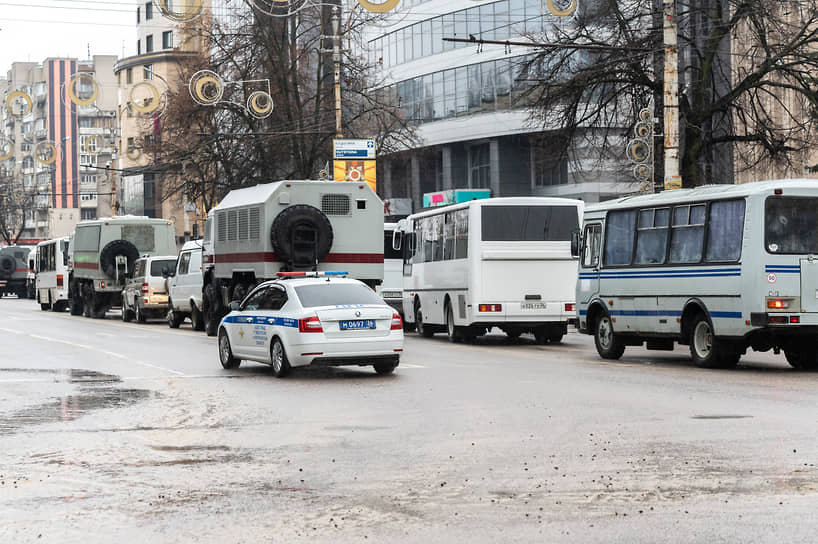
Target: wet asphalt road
(114, 432)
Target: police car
(311, 318)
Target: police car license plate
(357, 324)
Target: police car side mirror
(234, 306)
(575, 243)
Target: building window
(480, 167)
(88, 197)
(167, 40)
(148, 11)
(88, 179)
(130, 143)
(550, 171)
(129, 76)
(88, 160)
(138, 47)
(91, 143)
(149, 43)
(88, 213)
(138, 14)
(147, 71)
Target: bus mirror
(575, 242)
(397, 239)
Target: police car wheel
(278, 359)
(385, 368)
(225, 352)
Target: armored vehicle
(259, 231)
(102, 254)
(14, 270)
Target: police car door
(267, 319)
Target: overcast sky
(33, 30)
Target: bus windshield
(388, 251)
(529, 223)
(791, 225)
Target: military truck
(256, 232)
(14, 270)
(101, 257)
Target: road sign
(349, 148)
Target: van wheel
(138, 313)
(196, 318)
(278, 359)
(226, 353)
(174, 318)
(607, 344)
(126, 313)
(451, 329)
(706, 350)
(423, 329)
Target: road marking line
(91, 348)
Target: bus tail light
(490, 307)
(144, 287)
(310, 324)
(781, 304)
(782, 319)
(795, 319)
(397, 324)
(570, 307)
(59, 280)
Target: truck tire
(210, 310)
(286, 226)
(7, 266)
(108, 255)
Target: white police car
(318, 318)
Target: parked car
(145, 295)
(311, 318)
(185, 288)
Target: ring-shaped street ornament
(382, 7)
(284, 6)
(646, 115)
(5, 144)
(38, 153)
(642, 130)
(180, 17)
(638, 151)
(260, 104)
(15, 95)
(554, 9)
(641, 171)
(18, 194)
(93, 138)
(198, 87)
(134, 153)
(153, 105)
(75, 98)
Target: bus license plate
(357, 324)
(532, 305)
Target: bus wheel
(607, 344)
(423, 329)
(802, 358)
(451, 329)
(707, 351)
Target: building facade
(58, 121)
(467, 103)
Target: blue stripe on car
(262, 320)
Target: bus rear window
(791, 225)
(529, 223)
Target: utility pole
(671, 97)
(336, 61)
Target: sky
(33, 30)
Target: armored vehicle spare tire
(7, 266)
(107, 258)
(300, 234)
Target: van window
(158, 266)
(141, 236)
(87, 238)
(184, 263)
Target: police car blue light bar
(312, 274)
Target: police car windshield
(336, 294)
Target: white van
(185, 288)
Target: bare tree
(208, 150)
(14, 202)
(745, 78)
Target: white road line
(91, 348)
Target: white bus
(391, 290)
(497, 262)
(51, 281)
(720, 268)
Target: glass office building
(468, 104)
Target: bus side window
(408, 252)
(621, 226)
(461, 250)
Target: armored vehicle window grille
(232, 225)
(255, 223)
(335, 204)
(222, 224)
(243, 233)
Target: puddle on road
(97, 391)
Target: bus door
(589, 262)
(809, 285)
